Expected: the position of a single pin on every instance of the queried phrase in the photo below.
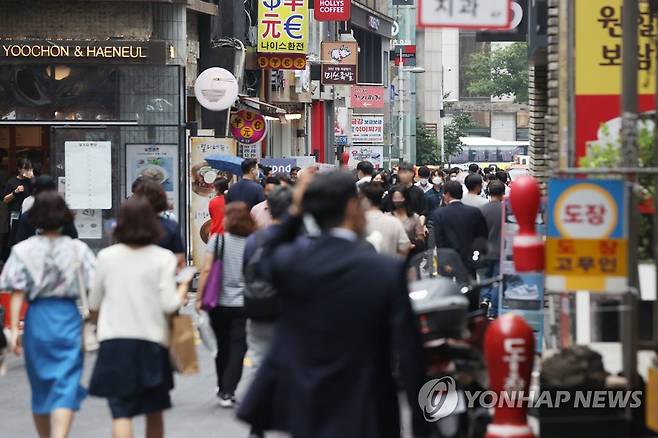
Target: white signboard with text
(374, 154)
(88, 170)
(367, 129)
(465, 14)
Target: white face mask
(423, 181)
(437, 180)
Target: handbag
(182, 349)
(213, 286)
(89, 338)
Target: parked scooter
(442, 293)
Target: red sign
(367, 97)
(282, 61)
(333, 10)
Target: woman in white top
(134, 293)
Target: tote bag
(213, 285)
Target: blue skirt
(53, 354)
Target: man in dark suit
(460, 227)
(345, 312)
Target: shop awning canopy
(227, 163)
(264, 108)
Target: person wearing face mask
(411, 221)
(424, 179)
(434, 196)
(247, 190)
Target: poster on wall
(201, 190)
(159, 162)
(367, 129)
(89, 224)
(374, 154)
(88, 170)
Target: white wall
(450, 60)
(503, 126)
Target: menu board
(88, 170)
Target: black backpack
(261, 299)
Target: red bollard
(509, 349)
(528, 246)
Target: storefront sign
(279, 165)
(374, 154)
(283, 61)
(406, 52)
(367, 129)
(598, 68)
(282, 26)
(333, 10)
(374, 22)
(201, 178)
(159, 162)
(249, 151)
(586, 245)
(150, 52)
(88, 170)
(216, 89)
(248, 127)
(370, 97)
(339, 62)
(464, 14)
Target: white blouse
(135, 291)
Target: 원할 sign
(339, 62)
(369, 97)
(248, 127)
(465, 14)
(586, 245)
(598, 42)
(367, 129)
(282, 26)
(333, 10)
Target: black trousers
(230, 327)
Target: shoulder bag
(213, 285)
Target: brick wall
(538, 101)
(75, 20)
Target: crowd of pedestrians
(312, 307)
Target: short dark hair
(272, 180)
(248, 164)
(424, 172)
(295, 169)
(373, 192)
(43, 183)
(154, 193)
(502, 176)
(327, 196)
(454, 189)
(50, 212)
(138, 223)
(487, 170)
(406, 166)
(220, 184)
(23, 163)
(278, 201)
(366, 167)
(496, 188)
(473, 168)
(238, 219)
(472, 181)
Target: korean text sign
(586, 246)
(465, 14)
(282, 26)
(333, 10)
(367, 129)
(339, 62)
(598, 48)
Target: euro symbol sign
(294, 30)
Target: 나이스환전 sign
(282, 26)
(367, 129)
(586, 245)
(465, 14)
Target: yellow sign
(587, 264)
(599, 46)
(282, 26)
(651, 411)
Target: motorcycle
(442, 294)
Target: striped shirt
(232, 293)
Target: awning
(264, 108)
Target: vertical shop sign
(201, 190)
(282, 30)
(159, 162)
(339, 62)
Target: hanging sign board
(368, 97)
(216, 89)
(333, 10)
(367, 129)
(374, 154)
(282, 30)
(248, 127)
(339, 62)
(586, 245)
(465, 14)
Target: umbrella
(227, 163)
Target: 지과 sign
(248, 127)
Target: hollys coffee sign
(333, 10)
(117, 52)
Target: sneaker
(226, 400)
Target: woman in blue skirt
(44, 269)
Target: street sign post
(587, 239)
(459, 14)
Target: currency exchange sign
(283, 26)
(586, 245)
